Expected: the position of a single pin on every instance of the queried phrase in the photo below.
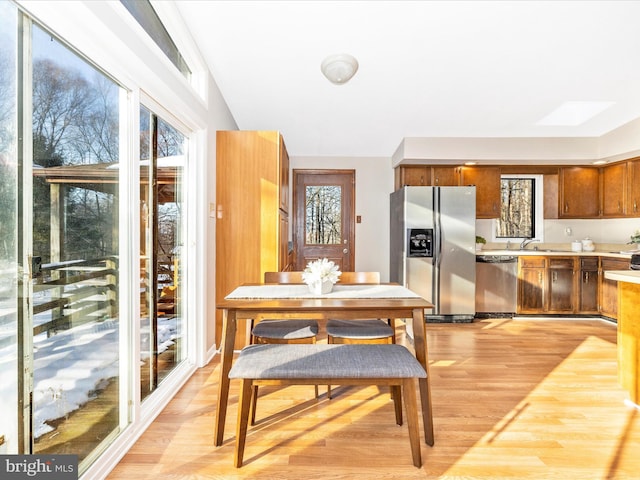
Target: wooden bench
(337, 364)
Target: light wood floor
(513, 399)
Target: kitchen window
(520, 208)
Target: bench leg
(244, 404)
(254, 402)
(411, 407)
(396, 395)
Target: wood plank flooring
(513, 399)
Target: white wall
(374, 183)
(605, 231)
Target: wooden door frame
(295, 228)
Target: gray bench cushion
(326, 361)
(364, 329)
(286, 329)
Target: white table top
(270, 291)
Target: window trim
(538, 210)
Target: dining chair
(281, 331)
(373, 330)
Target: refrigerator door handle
(437, 254)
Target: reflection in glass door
(162, 154)
(10, 390)
(74, 251)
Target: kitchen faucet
(527, 241)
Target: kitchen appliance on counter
(496, 285)
(634, 263)
(433, 248)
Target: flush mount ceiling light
(339, 68)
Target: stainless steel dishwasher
(496, 284)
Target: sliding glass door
(76, 173)
(74, 250)
(162, 158)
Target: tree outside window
(517, 213)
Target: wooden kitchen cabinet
(633, 197)
(487, 183)
(252, 184)
(614, 190)
(531, 284)
(444, 176)
(588, 287)
(609, 288)
(413, 175)
(560, 275)
(579, 192)
(546, 284)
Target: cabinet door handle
(586, 277)
(619, 206)
(566, 207)
(554, 277)
(540, 278)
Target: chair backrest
(360, 277)
(283, 277)
(346, 277)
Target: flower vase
(321, 287)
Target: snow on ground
(72, 365)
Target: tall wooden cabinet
(252, 211)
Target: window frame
(538, 209)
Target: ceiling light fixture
(339, 68)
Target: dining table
(348, 302)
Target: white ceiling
(427, 68)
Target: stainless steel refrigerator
(433, 248)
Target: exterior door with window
(323, 217)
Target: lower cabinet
(550, 285)
(546, 284)
(588, 288)
(560, 274)
(531, 284)
(609, 288)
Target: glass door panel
(9, 256)
(162, 150)
(74, 267)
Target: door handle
(346, 250)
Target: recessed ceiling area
(426, 68)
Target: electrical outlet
(567, 231)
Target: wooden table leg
(228, 339)
(420, 345)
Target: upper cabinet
(610, 191)
(614, 190)
(444, 176)
(633, 197)
(487, 183)
(413, 176)
(579, 195)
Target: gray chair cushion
(326, 361)
(286, 329)
(361, 329)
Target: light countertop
(630, 276)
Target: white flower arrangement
(320, 275)
(635, 237)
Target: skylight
(574, 113)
